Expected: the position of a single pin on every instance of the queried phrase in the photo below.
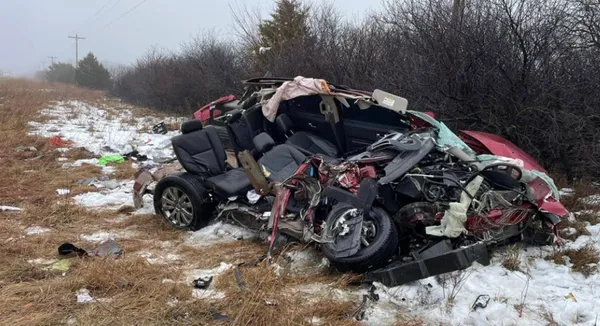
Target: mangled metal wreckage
(417, 201)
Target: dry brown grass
(511, 259)
(584, 260)
(579, 226)
(581, 188)
(123, 171)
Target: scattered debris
(202, 282)
(481, 302)
(160, 128)
(111, 158)
(25, 149)
(67, 249)
(62, 192)
(108, 248)
(218, 316)
(10, 209)
(57, 141)
(135, 156)
(35, 230)
(359, 314)
(238, 278)
(83, 296)
(62, 265)
(42, 261)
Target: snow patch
(218, 233)
(192, 275)
(109, 198)
(102, 236)
(35, 230)
(160, 259)
(306, 262)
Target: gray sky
(32, 30)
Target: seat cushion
(312, 144)
(200, 152)
(231, 183)
(281, 162)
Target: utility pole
(77, 38)
(52, 58)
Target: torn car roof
(283, 89)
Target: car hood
(486, 143)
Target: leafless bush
(528, 70)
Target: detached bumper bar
(436, 260)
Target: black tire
(377, 254)
(199, 201)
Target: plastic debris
(108, 248)
(66, 249)
(83, 296)
(135, 156)
(62, 192)
(481, 302)
(202, 282)
(58, 142)
(62, 265)
(252, 196)
(10, 209)
(25, 149)
(218, 316)
(111, 158)
(160, 128)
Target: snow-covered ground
(546, 291)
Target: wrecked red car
(394, 195)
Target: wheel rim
(177, 207)
(369, 232)
(369, 228)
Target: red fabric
(203, 114)
(59, 142)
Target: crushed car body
(382, 190)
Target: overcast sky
(33, 30)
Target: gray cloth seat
(279, 162)
(306, 142)
(201, 152)
(231, 183)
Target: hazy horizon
(33, 30)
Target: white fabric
(453, 222)
(299, 86)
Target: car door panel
(363, 127)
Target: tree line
(90, 73)
(528, 70)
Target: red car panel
(486, 143)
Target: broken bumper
(438, 259)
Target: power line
(121, 16)
(101, 8)
(52, 58)
(92, 18)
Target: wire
(91, 19)
(102, 8)
(121, 16)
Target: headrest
(191, 126)
(263, 142)
(284, 123)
